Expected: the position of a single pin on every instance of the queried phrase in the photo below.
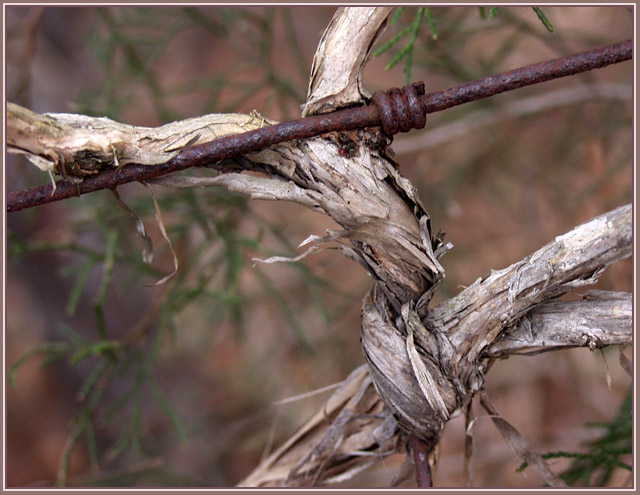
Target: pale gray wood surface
(423, 364)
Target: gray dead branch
(596, 320)
(423, 365)
(78, 145)
(600, 319)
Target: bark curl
(425, 364)
(418, 382)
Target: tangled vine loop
(415, 368)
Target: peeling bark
(336, 72)
(424, 364)
(600, 319)
(455, 337)
(77, 145)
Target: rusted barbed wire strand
(398, 103)
(420, 453)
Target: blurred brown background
(500, 189)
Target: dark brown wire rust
(397, 110)
(401, 110)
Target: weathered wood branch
(336, 72)
(598, 320)
(367, 431)
(80, 146)
(423, 364)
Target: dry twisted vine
(424, 365)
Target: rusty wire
(392, 110)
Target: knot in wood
(401, 110)
(415, 368)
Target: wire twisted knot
(401, 110)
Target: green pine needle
(396, 16)
(391, 42)
(543, 18)
(166, 407)
(79, 285)
(407, 51)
